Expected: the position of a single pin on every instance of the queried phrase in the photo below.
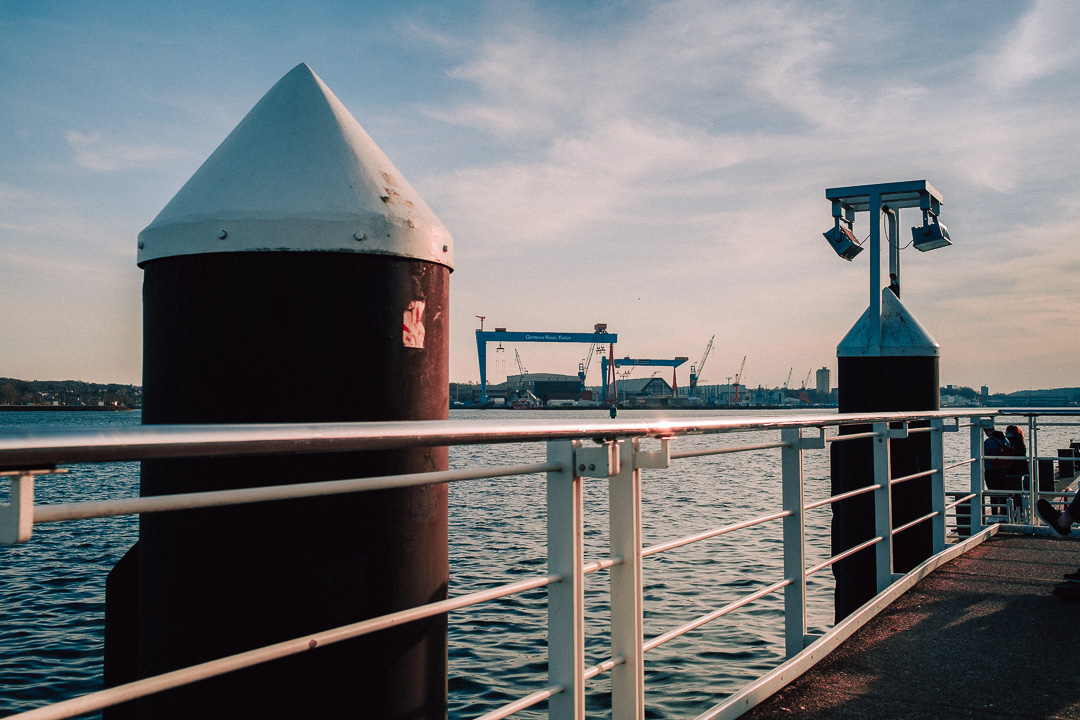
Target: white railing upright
(937, 483)
(883, 504)
(627, 604)
(791, 461)
(566, 598)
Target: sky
(657, 166)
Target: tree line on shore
(77, 392)
(68, 392)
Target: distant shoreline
(62, 408)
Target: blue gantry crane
(619, 362)
(600, 335)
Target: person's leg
(1073, 511)
(1060, 521)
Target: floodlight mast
(875, 199)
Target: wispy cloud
(694, 145)
(94, 152)
(1042, 43)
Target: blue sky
(658, 166)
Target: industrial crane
(695, 370)
(738, 376)
(521, 368)
(788, 381)
(583, 366)
(620, 362)
(600, 336)
(803, 397)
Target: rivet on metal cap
(445, 248)
(222, 234)
(141, 244)
(359, 236)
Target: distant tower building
(985, 392)
(823, 381)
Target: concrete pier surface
(981, 637)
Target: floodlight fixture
(932, 235)
(842, 240)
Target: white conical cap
(297, 174)
(901, 334)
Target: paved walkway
(980, 637)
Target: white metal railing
(1014, 506)
(576, 450)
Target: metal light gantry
(888, 198)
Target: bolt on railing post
(937, 483)
(883, 506)
(976, 476)
(566, 598)
(791, 462)
(627, 631)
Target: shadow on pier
(981, 637)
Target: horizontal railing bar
(959, 464)
(917, 430)
(913, 476)
(216, 498)
(964, 499)
(213, 668)
(1065, 494)
(56, 445)
(34, 472)
(671, 544)
(847, 553)
(852, 436)
(913, 523)
(1074, 423)
(841, 496)
(605, 666)
(525, 702)
(601, 565)
(709, 617)
(721, 450)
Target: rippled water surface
(52, 589)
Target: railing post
(937, 482)
(627, 632)
(791, 461)
(1033, 468)
(17, 516)
(883, 506)
(566, 598)
(976, 517)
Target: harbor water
(52, 589)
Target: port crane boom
(695, 370)
(738, 377)
(583, 366)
